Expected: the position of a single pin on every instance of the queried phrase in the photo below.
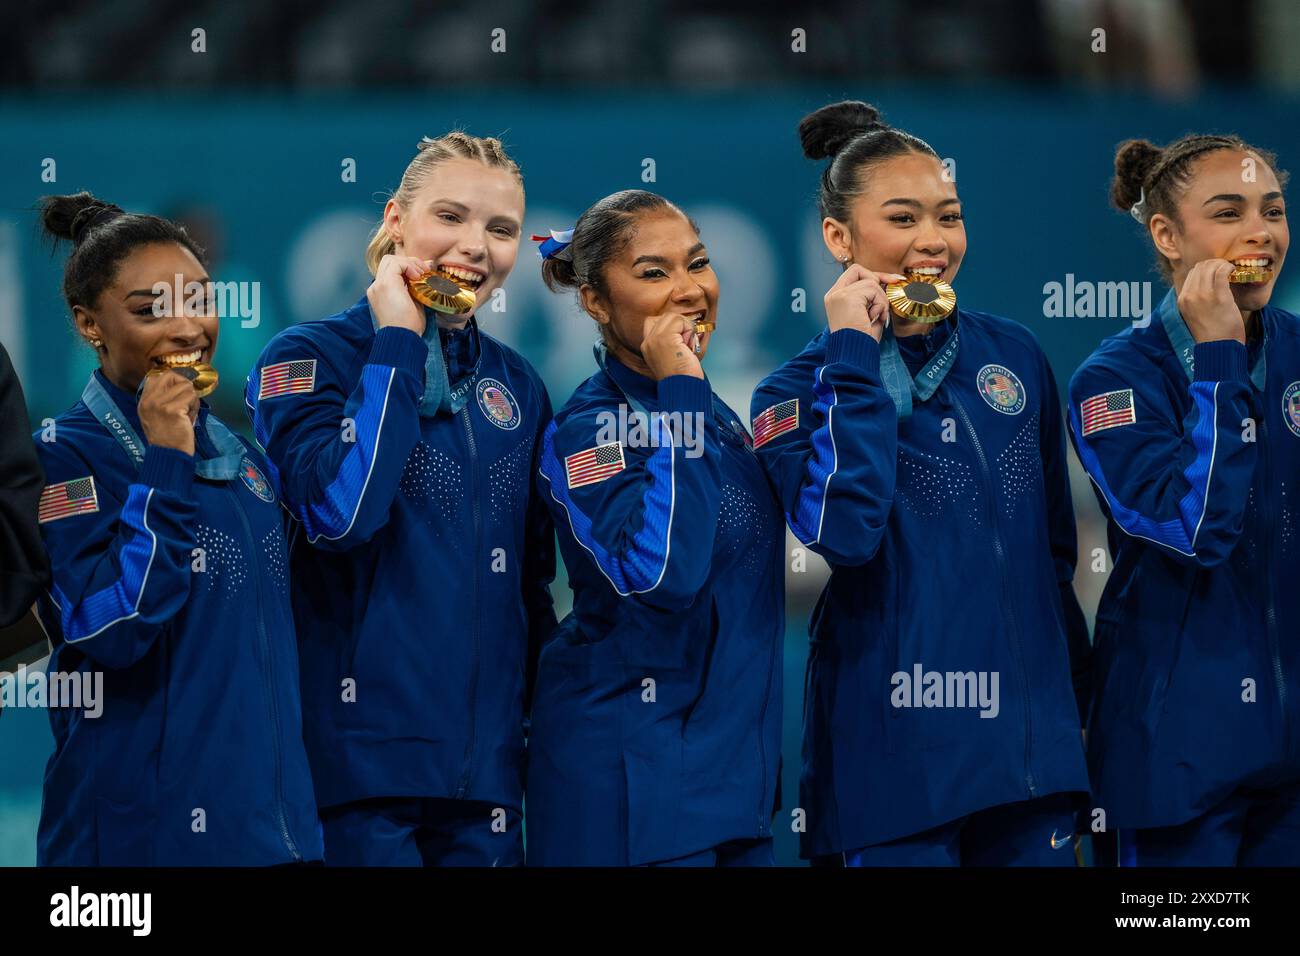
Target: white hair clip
(1139, 208)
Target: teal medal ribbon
(223, 467)
(1185, 346)
(440, 394)
(905, 389)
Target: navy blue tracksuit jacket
(421, 561)
(657, 723)
(1194, 454)
(951, 541)
(174, 587)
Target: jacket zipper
(764, 808)
(267, 669)
(1270, 611)
(1000, 552)
(478, 560)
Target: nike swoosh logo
(1066, 841)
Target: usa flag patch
(287, 378)
(594, 465)
(777, 420)
(67, 498)
(1107, 410)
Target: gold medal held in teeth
(921, 298)
(442, 293)
(201, 375)
(1250, 274)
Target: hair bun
(1134, 161)
(824, 132)
(70, 217)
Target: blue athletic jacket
(174, 587)
(1194, 454)
(951, 541)
(657, 723)
(421, 561)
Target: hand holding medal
(444, 289)
(857, 300)
(663, 338)
(1207, 304)
(168, 407)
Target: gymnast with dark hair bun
(919, 447)
(1189, 427)
(170, 584)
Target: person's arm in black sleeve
(24, 566)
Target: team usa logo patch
(777, 420)
(1001, 389)
(498, 404)
(254, 480)
(594, 465)
(1108, 410)
(68, 498)
(1291, 407)
(295, 377)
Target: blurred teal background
(257, 177)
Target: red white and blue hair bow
(556, 245)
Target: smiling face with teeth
(467, 218)
(906, 218)
(663, 268)
(1223, 215)
(136, 340)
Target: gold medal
(700, 328)
(921, 298)
(442, 293)
(201, 375)
(1250, 270)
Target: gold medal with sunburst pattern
(442, 293)
(921, 298)
(201, 375)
